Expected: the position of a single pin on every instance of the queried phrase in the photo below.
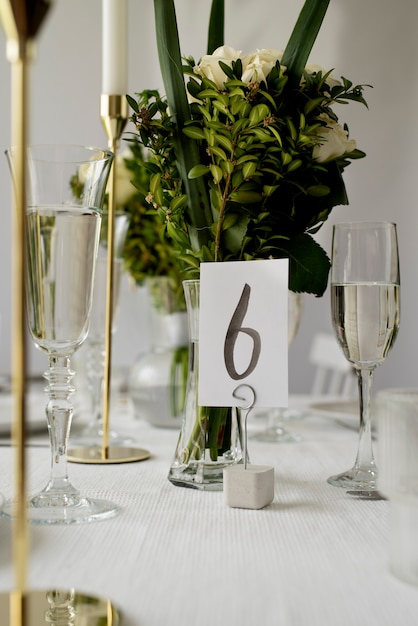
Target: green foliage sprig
(146, 252)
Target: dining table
(315, 556)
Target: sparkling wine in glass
(365, 309)
(62, 233)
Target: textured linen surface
(178, 556)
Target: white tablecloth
(181, 557)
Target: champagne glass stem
(365, 458)
(361, 478)
(95, 377)
(59, 412)
(92, 434)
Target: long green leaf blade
(303, 38)
(216, 34)
(186, 149)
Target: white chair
(334, 375)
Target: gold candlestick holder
(114, 115)
(21, 20)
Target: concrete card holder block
(250, 487)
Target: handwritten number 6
(232, 334)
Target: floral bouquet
(246, 156)
(246, 150)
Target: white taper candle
(114, 47)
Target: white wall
(369, 41)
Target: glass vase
(157, 383)
(210, 438)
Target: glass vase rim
(362, 223)
(89, 149)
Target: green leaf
(309, 265)
(178, 202)
(198, 170)
(194, 132)
(189, 260)
(155, 182)
(294, 165)
(227, 166)
(218, 152)
(209, 93)
(249, 169)
(216, 25)
(246, 197)
(216, 172)
(318, 190)
(235, 228)
(132, 103)
(225, 142)
(303, 38)
(258, 113)
(261, 134)
(227, 70)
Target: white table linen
(178, 556)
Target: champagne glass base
(42, 510)
(275, 431)
(356, 480)
(93, 436)
(58, 606)
(275, 434)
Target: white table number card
(243, 327)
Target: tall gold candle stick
(21, 20)
(19, 59)
(21, 24)
(114, 115)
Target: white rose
(333, 140)
(259, 65)
(209, 64)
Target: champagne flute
(94, 348)
(365, 309)
(62, 233)
(275, 431)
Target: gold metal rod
(21, 22)
(114, 116)
(19, 365)
(113, 146)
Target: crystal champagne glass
(94, 347)
(275, 431)
(62, 231)
(365, 309)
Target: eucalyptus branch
(219, 225)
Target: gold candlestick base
(52, 607)
(114, 454)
